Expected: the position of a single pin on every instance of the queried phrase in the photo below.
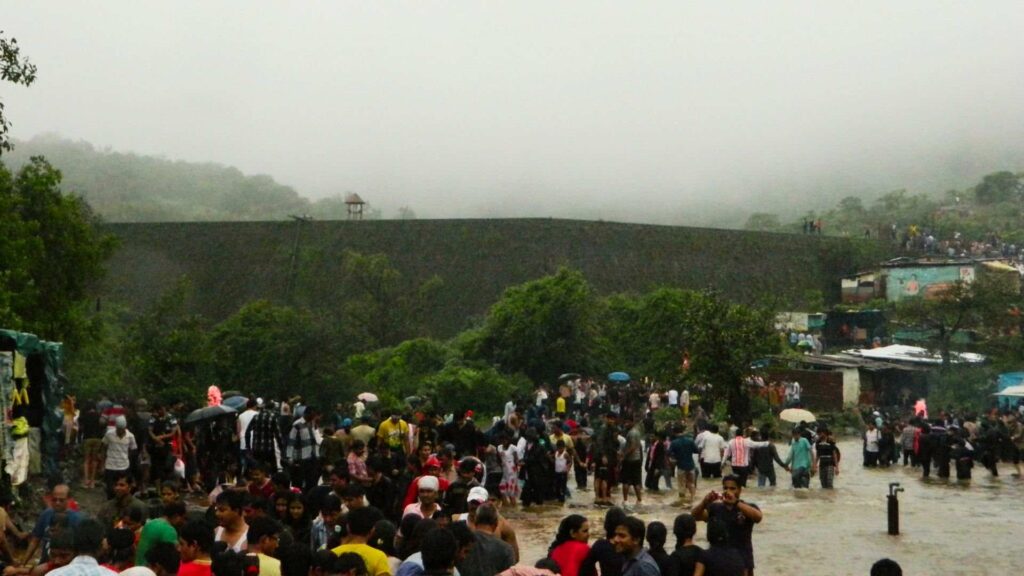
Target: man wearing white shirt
(673, 398)
(510, 407)
(712, 448)
(244, 419)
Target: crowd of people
(284, 488)
(950, 443)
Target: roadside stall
(31, 391)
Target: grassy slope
(231, 263)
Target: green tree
(764, 221)
(62, 252)
(276, 351)
(438, 372)
(380, 308)
(16, 69)
(545, 327)
(73, 250)
(982, 304)
(998, 187)
(726, 339)
(397, 372)
(649, 333)
(165, 351)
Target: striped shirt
(738, 450)
(301, 441)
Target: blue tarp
(1006, 380)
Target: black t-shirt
(739, 526)
(602, 554)
(826, 452)
(683, 560)
(722, 561)
(91, 426)
(160, 426)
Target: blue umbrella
(619, 377)
(236, 402)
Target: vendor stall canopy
(32, 387)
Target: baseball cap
(428, 483)
(477, 494)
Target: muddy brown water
(946, 527)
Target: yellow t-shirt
(376, 561)
(392, 433)
(560, 405)
(269, 566)
(565, 438)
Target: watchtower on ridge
(354, 206)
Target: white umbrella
(797, 415)
(1014, 391)
(367, 397)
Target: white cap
(428, 483)
(477, 494)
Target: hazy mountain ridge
(127, 187)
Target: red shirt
(195, 568)
(267, 490)
(569, 555)
(412, 494)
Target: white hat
(477, 494)
(428, 483)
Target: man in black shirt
(826, 458)
(602, 553)
(683, 560)
(737, 516)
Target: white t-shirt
(118, 449)
(711, 451)
(240, 545)
(654, 400)
(561, 462)
(673, 398)
(872, 437)
(243, 425)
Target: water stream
(946, 527)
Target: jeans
(801, 478)
(766, 477)
(581, 476)
(561, 488)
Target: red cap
(432, 462)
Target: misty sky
(648, 111)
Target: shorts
(92, 447)
(632, 471)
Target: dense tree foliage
(648, 333)
(986, 304)
(545, 327)
(52, 252)
(16, 69)
(990, 207)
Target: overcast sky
(652, 111)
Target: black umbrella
(208, 413)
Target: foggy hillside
(127, 187)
